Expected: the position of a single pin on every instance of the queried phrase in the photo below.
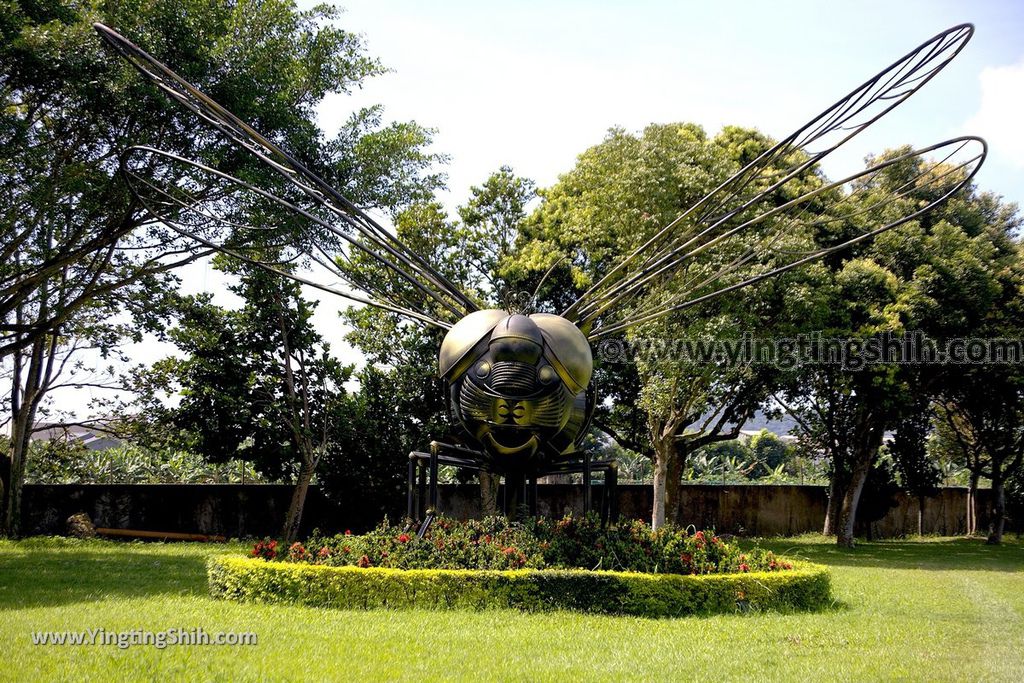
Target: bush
(570, 543)
(805, 587)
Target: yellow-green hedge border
(805, 587)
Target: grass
(929, 609)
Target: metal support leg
(410, 489)
(421, 490)
(433, 477)
(609, 492)
(586, 483)
(613, 491)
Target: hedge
(805, 587)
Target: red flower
(297, 552)
(364, 562)
(265, 549)
(348, 532)
(686, 558)
(346, 549)
(323, 552)
(699, 535)
(744, 567)
(403, 538)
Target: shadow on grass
(39, 577)
(960, 554)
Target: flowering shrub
(568, 543)
(267, 549)
(298, 553)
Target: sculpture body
(519, 385)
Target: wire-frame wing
(827, 219)
(769, 177)
(310, 196)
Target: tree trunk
(972, 505)
(24, 416)
(832, 505)
(489, 493)
(673, 484)
(19, 451)
(294, 518)
(997, 509)
(848, 508)
(663, 454)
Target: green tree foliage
(939, 277)
(363, 472)
(257, 384)
(68, 461)
(987, 407)
(621, 191)
(72, 238)
(953, 446)
(770, 451)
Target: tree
(919, 475)
(952, 441)
(934, 279)
(987, 405)
(257, 384)
(769, 451)
(68, 223)
(49, 363)
(619, 194)
(363, 471)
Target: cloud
(999, 116)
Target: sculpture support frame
(422, 498)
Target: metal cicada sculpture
(519, 382)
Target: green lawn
(935, 609)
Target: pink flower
(744, 567)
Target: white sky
(532, 84)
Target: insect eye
(546, 374)
(483, 369)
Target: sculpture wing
(745, 224)
(328, 230)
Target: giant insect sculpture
(519, 381)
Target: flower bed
(804, 587)
(496, 543)
(573, 563)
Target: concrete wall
(246, 510)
